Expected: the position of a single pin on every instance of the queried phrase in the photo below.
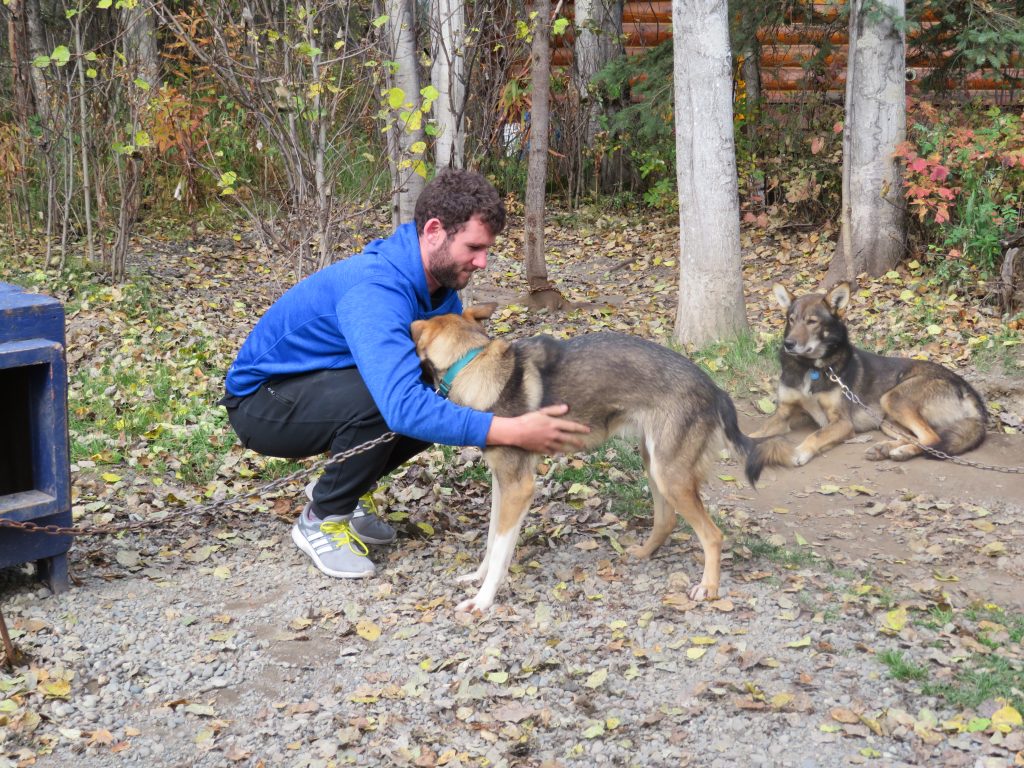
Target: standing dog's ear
(480, 312)
(838, 297)
(782, 295)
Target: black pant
(324, 411)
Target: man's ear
(480, 312)
(434, 232)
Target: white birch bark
(448, 73)
(401, 30)
(873, 221)
(711, 303)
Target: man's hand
(539, 431)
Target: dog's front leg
(492, 527)
(836, 432)
(779, 423)
(516, 495)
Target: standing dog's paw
(703, 592)
(639, 551)
(473, 605)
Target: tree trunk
(408, 164)
(873, 221)
(540, 288)
(711, 303)
(598, 40)
(140, 44)
(37, 47)
(17, 42)
(448, 73)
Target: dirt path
(925, 524)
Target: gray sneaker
(370, 527)
(334, 547)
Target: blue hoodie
(357, 312)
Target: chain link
(852, 397)
(208, 506)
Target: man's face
(460, 255)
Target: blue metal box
(35, 482)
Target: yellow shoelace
(343, 535)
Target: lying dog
(937, 407)
(617, 385)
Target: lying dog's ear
(838, 297)
(480, 312)
(782, 295)
(416, 329)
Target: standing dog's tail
(743, 443)
(771, 452)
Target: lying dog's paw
(877, 452)
(801, 457)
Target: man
(331, 365)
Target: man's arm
(539, 431)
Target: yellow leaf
(828, 489)
(1006, 718)
(56, 688)
(703, 640)
(597, 678)
(695, 653)
(803, 642)
(781, 700)
(497, 677)
(800, 539)
(367, 630)
(110, 477)
(222, 572)
(895, 621)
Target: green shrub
(964, 180)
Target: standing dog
(940, 409)
(617, 385)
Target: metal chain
(852, 397)
(273, 485)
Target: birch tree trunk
(448, 74)
(401, 31)
(598, 40)
(873, 221)
(711, 303)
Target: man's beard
(446, 271)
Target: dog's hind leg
(902, 416)
(516, 488)
(664, 522)
(686, 499)
(679, 485)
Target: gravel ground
(222, 646)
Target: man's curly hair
(455, 196)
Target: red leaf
(939, 173)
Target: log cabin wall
(787, 52)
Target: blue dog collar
(449, 378)
(815, 374)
